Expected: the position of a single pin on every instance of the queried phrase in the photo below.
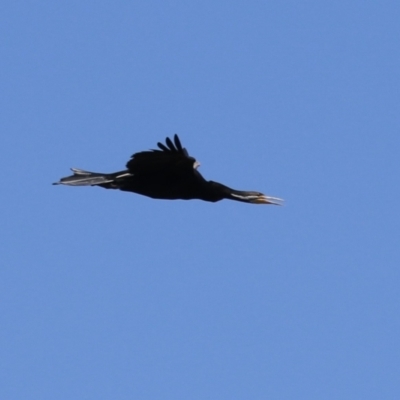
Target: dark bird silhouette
(168, 173)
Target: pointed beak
(262, 199)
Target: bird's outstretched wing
(171, 157)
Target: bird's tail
(86, 178)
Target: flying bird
(166, 173)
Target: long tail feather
(86, 178)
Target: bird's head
(255, 198)
(220, 192)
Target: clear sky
(112, 295)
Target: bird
(168, 173)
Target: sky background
(112, 295)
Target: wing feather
(178, 143)
(163, 147)
(170, 157)
(170, 144)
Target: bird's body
(168, 173)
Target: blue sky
(107, 294)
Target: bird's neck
(221, 191)
(224, 192)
